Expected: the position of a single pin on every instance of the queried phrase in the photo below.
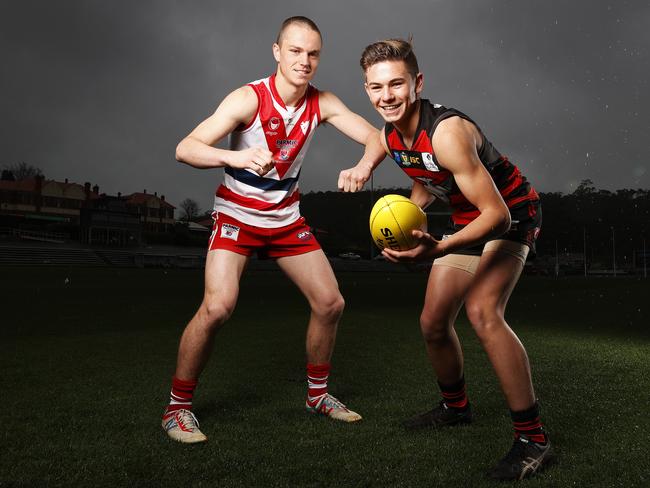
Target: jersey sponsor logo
(408, 158)
(427, 158)
(304, 235)
(285, 146)
(286, 143)
(230, 231)
(416, 159)
(274, 123)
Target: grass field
(86, 358)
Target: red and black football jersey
(419, 162)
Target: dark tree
(190, 209)
(21, 171)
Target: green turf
(86, 366)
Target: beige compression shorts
(469, 263)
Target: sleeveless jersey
(271, 200)
(419, 163)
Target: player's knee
(330, 306)
(483, 316)
(435, 330)
(215, 313)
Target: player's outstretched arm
(334, 111)
(237, 109)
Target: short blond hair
(298, 19)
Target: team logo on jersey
(230, 231)
(304, 126)
(427, 158)
(285, 146)
(304, 235)
(274, 123)
(408, 158)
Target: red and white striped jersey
(271, 200)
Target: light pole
(645, 268)
(614, 251)
(584, 248)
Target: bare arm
(455, 146)
(454, 143)
(197, 149)
(358, 129)
(420, 196)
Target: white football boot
(331, 407)
(182, 426)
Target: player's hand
(353, 179)
(258, 159)
(427, 248)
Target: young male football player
(270, 122)
(495, 221)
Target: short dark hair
(298, 19)
(390, 50)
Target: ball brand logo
(390, 238)
(274, 123)
(304, 235)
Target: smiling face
(393, 91)
(298, 54)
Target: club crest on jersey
(304, 126)
(274, 123)
(304, 235)
(230, 231)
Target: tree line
(605, 224)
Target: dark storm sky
(103, 91)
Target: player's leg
(313, 275)
(223, 271)
(448, 282)
(496, 277)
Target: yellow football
(391, 221)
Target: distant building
(156, 215)
(38, 199)
(109, 221)
(99, 218)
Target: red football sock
(528, 423)
(455, 395)
(317, 375)
(181, 395)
